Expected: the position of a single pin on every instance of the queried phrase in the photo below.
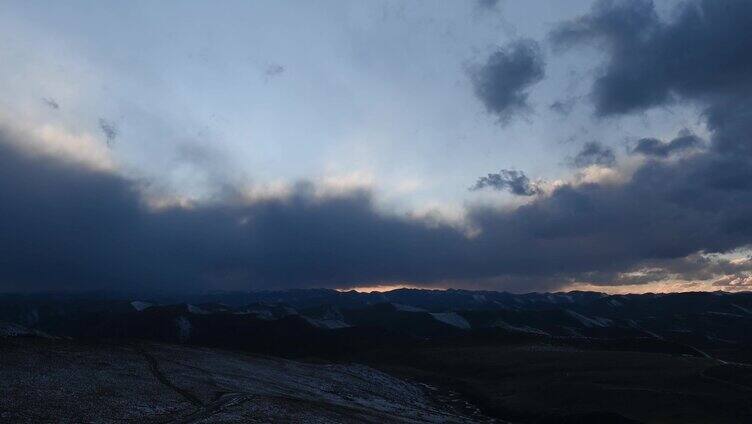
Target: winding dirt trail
(203, 410)
(228, 399)
(164, 380)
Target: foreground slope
(532, 358)
(48, 380)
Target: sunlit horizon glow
(380, 288)
(657, 288)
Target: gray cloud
(51, 103)
(593, 153)
(703, 52)
(562, 107)
(699, 56)
(516, 182)
(695, 57)
(274, 70)
(109, 129)
(658, 148)
(734, 282)
(503, 82)
(694, 267)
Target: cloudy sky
(505, 145)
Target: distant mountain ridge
(323, 321)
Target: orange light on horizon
(377, 288)
(669, 286)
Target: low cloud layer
(68, 227)
(503, 82)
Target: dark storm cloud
(695, 267)
(658, 148)
(593, 232)
(593, 153)
(503, 82)
(730, 119)
(65, 227)
(700, 54)
(516, 182)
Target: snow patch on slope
(407, 308)
(452, 318)
(196, 310)
(566, 297)
(615, 303)
(520, 329)
(327, 324)
(589, 322)
(140, 306)
(741, 308)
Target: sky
(501, 145)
